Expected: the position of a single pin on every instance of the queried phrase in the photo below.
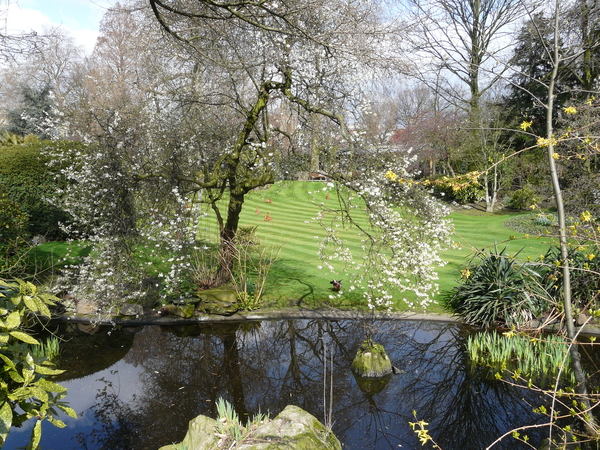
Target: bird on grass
(337, 285)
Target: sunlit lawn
(297, 278)
(285, 217)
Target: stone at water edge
(132, 309)
(200, 436)
(223, 301)
(292, 429)
(371, 360)
(185, 311)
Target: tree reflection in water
(262, 367)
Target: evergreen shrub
(28, 180)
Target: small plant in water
(49, 349)
(519, 355)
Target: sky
(80, 18)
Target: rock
(38, 239)
(185, 311)
(87, 307)
(582, 319)
(219, 294)
(130, 309)
(292, 429)
(201, 435)
(222, 301)
(371, 360)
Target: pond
(137, 387)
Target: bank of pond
(137, 387)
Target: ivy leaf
(24, 337)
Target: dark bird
(337, 285)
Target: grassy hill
(285, 217)
(291, 210)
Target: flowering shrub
(462, 188)
(404, 233)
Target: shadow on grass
(45, 259)
(294, 283)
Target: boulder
(201, 435)
(292, 429)
(222, 301)
(131, 309)
(185, 311)
(371, 360)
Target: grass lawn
(296, 278)
(285, 217)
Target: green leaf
(42, 308)
(56, 422)
(30, 303)
(24, 337)
(13, 320)
(45, 370)
(40, 393)
(19, 394)
(50, 386)
(16, 376)
(36, 436)
(9, 363)
(6, 416)
(67, 410)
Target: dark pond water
(137, 388)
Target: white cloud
(23, 20)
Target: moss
(371, 360)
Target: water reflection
(171, 374)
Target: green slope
(296, 278)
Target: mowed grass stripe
(297, 278)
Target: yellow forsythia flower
(544, 142)
(570, 110)
(590, 256)
(391, 175)
(555, 155)
(525, 125)
(586, 216)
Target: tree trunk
(578, 371)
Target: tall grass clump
(498, 290)
(229, 429)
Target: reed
(48, 349)
(537, 360)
